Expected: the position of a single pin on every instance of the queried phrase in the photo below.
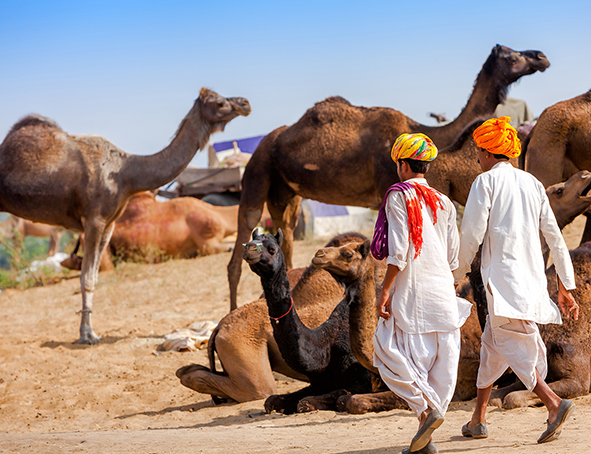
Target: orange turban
(414, 146)
(497, 136)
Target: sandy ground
(122, 396)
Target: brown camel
(244, 341)
(338, 153)
(15, 229)
(181, 227)
(83, 182)
(559, 144)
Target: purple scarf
(379, 244)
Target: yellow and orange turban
(414, 146)
(497, 136)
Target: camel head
(569, 199)
(263, 254)
(346, 263)
(509, 65)
(218, 111)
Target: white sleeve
(555, 240)
(453, 239)
(474, 225)
(398, 233)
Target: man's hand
(383, 304)
(566, 302)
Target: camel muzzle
(253, 252)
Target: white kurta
(417, 350)
(423, 295)
(506, 209)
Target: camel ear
(364, 248)
(279, 237)
(255, 233)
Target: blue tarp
(247, 145)
(320, 209)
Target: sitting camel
(244, 338)
(338, 153)
(181, 227)
(15, 229)
(322, 354)
(83, 182)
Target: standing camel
(338, 153)
(560, 144)
(83, 182)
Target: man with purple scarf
(417, 340)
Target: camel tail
(211, 349)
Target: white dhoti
(420, 368)
(511, 343)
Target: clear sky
(130, 70)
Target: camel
(322, 354)
(338, 153)
(244, 342)
(16, 229)
(558, 145)
(83, 182)
(181, 227)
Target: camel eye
(348, 255)
(559, 191)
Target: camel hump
(336, 99)
(34, 120)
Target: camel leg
(248, 218)
(247, 372)
(285, 216)
(322, 402)
(359, 404)
(96, 238)
(287, 403)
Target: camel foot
(190, 368)
(359, 404)
(219, 400)
(88, 338)
(323, 402)
(520, 399)
(281, 403)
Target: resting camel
(181, 227)
(324, 353)
(83, 182)
(244, 342)
(338, 153)
(16, 229)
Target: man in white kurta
(417, 340)
(506, 210)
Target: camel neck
(363, 319)
(142, 173)
(487, 94)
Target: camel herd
(316, 323)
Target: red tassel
(424, 195)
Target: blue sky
(130, 70)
